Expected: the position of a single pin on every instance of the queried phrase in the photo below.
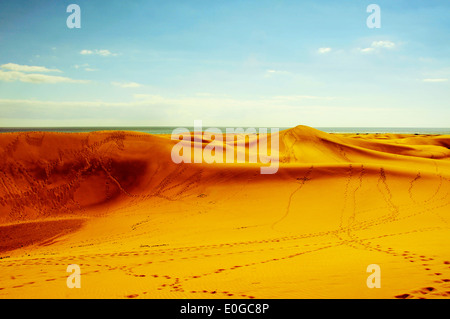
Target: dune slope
(141, 226)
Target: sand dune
(141, 226)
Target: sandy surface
(141, 226)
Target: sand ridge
(141, 226)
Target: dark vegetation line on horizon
(168, 129)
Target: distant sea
(169, 129)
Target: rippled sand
(141, 226)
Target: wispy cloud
(195, 103)
(85, 67)
(27, 68)
(36, 78)
(324, 50)
(271, 72)
(435, 80)
(367, 50)
(16, 72)
(383, 44)
(150, 109)
(377, 45)
(102, 52)
(127, 84)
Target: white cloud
(435, 80)
(16, 72)
(27, 68)
(156, 109)
(366, 50)
(127, 84)
(102, 52)
(35, 78)
(324, 50)
(84, 66)
(376, 45)
(200, 104)
(383, 44)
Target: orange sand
(141, 226)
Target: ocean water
(169, 129)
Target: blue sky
(228, 63)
